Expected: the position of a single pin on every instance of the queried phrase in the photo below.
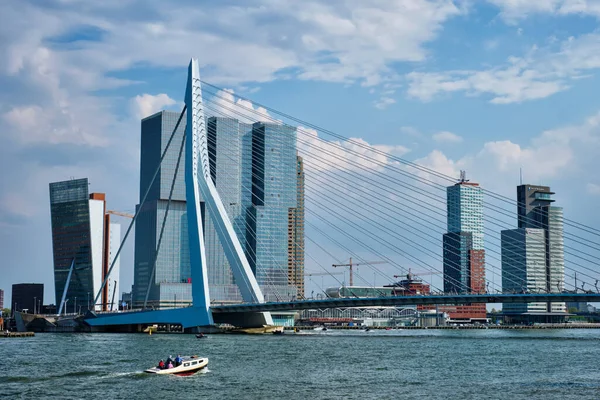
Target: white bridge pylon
(198, 181)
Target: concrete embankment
(539, 326)
(16, 334)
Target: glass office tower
(79, 231)
(274, 192)
(533, 256)
(170, 285)
(71, 238)
(254, 168)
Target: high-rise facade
(80, 231)
(227, 142)
(253, 167)
(463, 249)
(164, 278)
(27, 296)
(296, 234)
(274, 191)
(533, 254)
(1, 298)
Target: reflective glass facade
(465, 211)
(463, 249)
(71, 238)
(535, 252)
(225, 138)
(255, 170)
(171, 283)
(457, 246)
(274, 192)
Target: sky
(489, 86)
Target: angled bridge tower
(198, 181)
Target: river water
(403, 364)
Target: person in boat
(161, 364)
(169, 360)
(169, 365)
(178, 360)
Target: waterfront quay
(16, 334)
(447, 327)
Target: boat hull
(188, 367)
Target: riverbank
(538, 326)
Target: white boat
(189, 366)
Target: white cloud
(553, 154)
(447, 137)
(540, 73)
(355, 154)
(147, 104)
(411, 131)
(514, 10)
(593, 188)
(226, 104)
(384, 102)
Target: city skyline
(381, 95)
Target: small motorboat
(201, 336)
(189, 366)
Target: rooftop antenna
(463, 176)
(521, 175)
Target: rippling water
(433, 364)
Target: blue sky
(488, 86)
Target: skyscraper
(274, 191)
(253, 167)
(80, 231)
(463, 254)
(296, 234)
(533, 254)
(171, 278)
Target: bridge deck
(409, 300)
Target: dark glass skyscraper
(71, 238)
(27, 296)
(533, 255)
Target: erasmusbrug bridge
(359, 201)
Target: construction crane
(420, 273)
(410, 274)
(351, 264)
(119, 213)
(324, 273)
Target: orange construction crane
(351, 264)
(119, 213)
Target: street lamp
(66, 301)
(34, 303)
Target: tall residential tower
(464, 255)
